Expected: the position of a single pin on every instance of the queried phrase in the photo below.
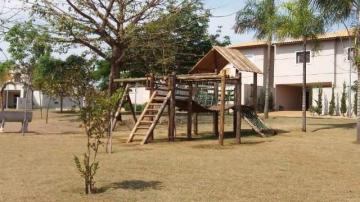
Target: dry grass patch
(321, 165)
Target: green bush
(137, 108)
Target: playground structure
(208, 88)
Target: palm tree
(259, 16)
(299, 21)
(340, 11)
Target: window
(300, 57)
(350, 53)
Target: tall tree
(300, 21)
(341, 11)
(105, 26)
(261, 17)
(26, 45)
(174, 42)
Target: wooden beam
(189, 113)
(152, 90)
(235, 110)
(195, 122)
(255, 92)
(195, 115)
(131, 80)
(131, 107)
(222, 110)
(172, 88)
(238, 109)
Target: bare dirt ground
(321, 165)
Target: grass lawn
(321, 165)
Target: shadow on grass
(132, 185)
(333, 126)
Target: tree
(106, 27)
(171, 43)
(343, 107)
(319, 105)
(354, 88)
(300, 21)
(261, 17)
(26, 45)
(96, 119)
(332, 103)
(5, 68)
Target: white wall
(320, 69)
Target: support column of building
(255, 92)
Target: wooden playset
(206, 88)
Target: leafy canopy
(259, 16)
(300, 20)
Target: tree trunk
(116, 59)
(61, 103)
(304, 88)
(25, 109)
(47, 111)
(358, 83)
(40, 102)
(358, 107)
(267, 79)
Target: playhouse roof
(219, 57)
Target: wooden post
(235, 108)
(222, 109)
(152, 89)
(195, 115)
(172, 88)
(189, 113)
(238, 109)
(195, 122)
(255, 92)
(216, 114)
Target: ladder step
(149, 115)
(155, 104)
(142, 127)
(152, 110)
(147, 122)
(159, 98)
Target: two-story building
(328, 65)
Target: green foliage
(343, 107)
(174, 42)
(300, 20)
(96, 121)
(259, 16)
(332, 103)
(138, 107)
(354, 88)
(5, 68)
(58, 78)
(319, 101)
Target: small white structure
(15, 97)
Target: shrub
(343, 107)
(332, 103)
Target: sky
(223, 14)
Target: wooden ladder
(123, 99)
(150, 116)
